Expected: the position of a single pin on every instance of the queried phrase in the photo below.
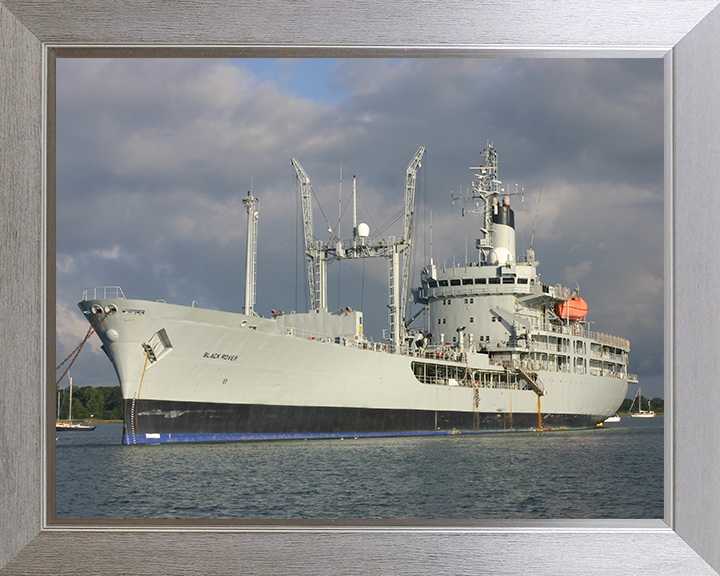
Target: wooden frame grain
(685, 32)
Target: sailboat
(641, 413)
(68, 425)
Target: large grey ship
(499, 351)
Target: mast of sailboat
(70, 407)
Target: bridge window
(467, 281)
(455, 282)
(432, 283)
(508, 280)
(443, 282)
(522, 281)
(479, 280)
(493, 280)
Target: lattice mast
(487, 188)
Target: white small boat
(613, 418)
(641, 413)
(68, 425)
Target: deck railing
(103, 293)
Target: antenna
(354, 209)
(431, 239)
(537, 208)
(339, 203)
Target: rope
(93, 328)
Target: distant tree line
(656, 404)
(101, 403)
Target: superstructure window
(432, 283)
(508, 280)
(479, 280)
(493, 280)
(455, 282)
(467, 281)
(443, 282)
(522, 281)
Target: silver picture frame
(686, 33)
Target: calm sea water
(613, 472)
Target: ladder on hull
(532, 381)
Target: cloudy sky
(154, 158)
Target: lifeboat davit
(574, 309)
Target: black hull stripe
(159, 421)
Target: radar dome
(499, 256)
(363, 230)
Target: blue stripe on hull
(200, 437)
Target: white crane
(319, 253)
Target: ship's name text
(213, 356)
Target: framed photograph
(33, 541)
(168, 183)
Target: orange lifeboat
(575, 309)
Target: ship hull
(179, 422)
(219, 376)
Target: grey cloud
(155, 155)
